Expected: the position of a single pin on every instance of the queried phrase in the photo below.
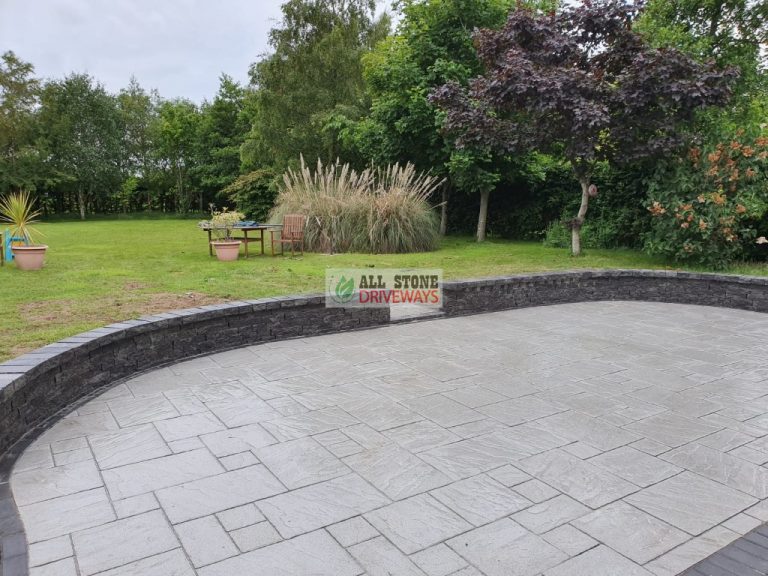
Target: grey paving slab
(48, 483)
(672, 429)
(128, 446)
(188, 426)
(301, 462)
(65, 567)
(635, 466)
(380, 413)
(519, 410)
(570, 540)
(467, 458)
(693, 551)
(723, 468)
(307, 509)
(481, 499)
(580, 480)
(439, 560)
(240, 516)
(504, 548)
(576, 426)
(631, 532)
(550, 514)
(600, 561)
(150, 475)
(52, 518)
(142, 410)
(591, 439)
(396, 472)
(443, 411)
(122, 542)
(237, 440)
(353, 531)
(255, 536)
(50, 550)
(74, 427)
(314, 554)
(205, 541)
(421, 436)
(241, 411)
(691, 502)
(316, 422)
(417, 523)
(380, 558)
(217, 493)
(536, 491)
(36, 457)
(135, 505)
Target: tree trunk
(483, 217)
(714, 23)
(577, 222)
(81, 203)
(444, 210)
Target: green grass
(104, 271)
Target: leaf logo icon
(345, 289)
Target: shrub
(707, 208)
(222, 223)
(373, 211)
(253, 193)
(593, 234)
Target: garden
(482, 137)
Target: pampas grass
(374, 211)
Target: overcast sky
(179, 47)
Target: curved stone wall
(504, 293)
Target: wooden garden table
(245, 239)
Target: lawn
(109, 270)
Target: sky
(180, 47)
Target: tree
(581, 83)
(19, 95)
(733, 32)
(313, 77)
(176, 137)
(433, 45)
(221, 131)
(730, 32)
(82, 136)
(138, 114)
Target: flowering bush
(708, 209)
(222, 222)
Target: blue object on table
(8, 241)
(247, 224)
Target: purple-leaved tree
(582, 84)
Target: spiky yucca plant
(372, 211)
(17, 209)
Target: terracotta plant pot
(226, 250)
(29, 257)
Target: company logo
(382, 287)
(344, 291)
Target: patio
(582, 439)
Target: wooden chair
(292, 233)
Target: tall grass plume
(378, 211)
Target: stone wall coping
(604, 273)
